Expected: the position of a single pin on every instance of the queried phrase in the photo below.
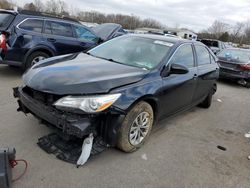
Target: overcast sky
(192, 14)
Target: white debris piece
(144, 156)
(86, 150)
(219, 100)
(247, 135)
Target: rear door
(207, 72)
(60, 37)
(178, 89)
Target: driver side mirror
(174, 69)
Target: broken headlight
(89, 104)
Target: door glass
(184, 56)
(58, 28)
(32, 25)
(83, 33)
(203, 56)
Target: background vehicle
(28, 37)
(235, 64)
(131, 82)
(108, 31)
(215, 45)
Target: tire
(247, 85)
(128, 128)
(31, 58)
(207, 101)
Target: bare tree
(218, 28)
(246, 36)
(237, 30)
(52, 7)
(39, 5)
(30, 6)
(5, 4)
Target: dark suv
(28, 37)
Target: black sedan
(235, 64)
(120, 89)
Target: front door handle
(195, 76)
(51, 40)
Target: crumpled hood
(80, 74)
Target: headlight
(89, 104)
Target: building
(183, 33)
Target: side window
(184, 56)
(203, 56)
(83, 33)
(58, 28)
(34, 25)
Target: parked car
(215, 45)
(235, 64)
(108, 31)
(121, 88)
(28, 37)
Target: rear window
(34, 25)
(235, 54)
(5, 20)
(58, 28)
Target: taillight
(245, 67)
(3, 42)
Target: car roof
(8, 11)
(165, 38)
(43, 15)
(211, 40)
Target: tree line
(237, 33)
(60, 8)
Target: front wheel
(136, 127)
(35, 58)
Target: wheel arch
(151, 100)
(44, 49)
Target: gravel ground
(181, 152)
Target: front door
(178, 89)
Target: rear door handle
(51, 40)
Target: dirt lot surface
(182, 151)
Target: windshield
(5, 20)
(210, 43)
(241, 55)
(133, 51)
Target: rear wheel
(247, 85)
(207, 101)
(136, 127)
(35, 58)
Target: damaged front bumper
(104, 125)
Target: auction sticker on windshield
(163, 43)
